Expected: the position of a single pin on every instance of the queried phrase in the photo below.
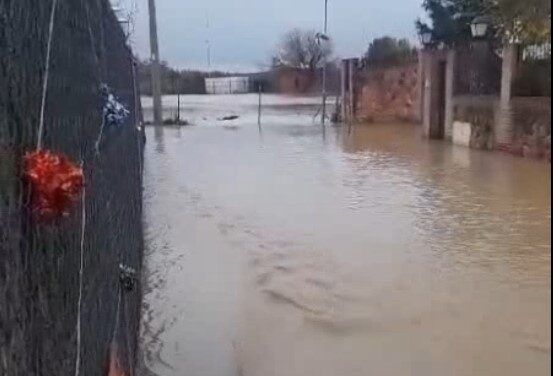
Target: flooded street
(288, 251)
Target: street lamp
(426, 37)
(479, 27)
(321, 37)
(324, 37)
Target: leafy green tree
(527, 21)
(388, 50)
(450, 19)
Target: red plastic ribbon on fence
(55, 183)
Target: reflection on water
(368, 252)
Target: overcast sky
(243, 33)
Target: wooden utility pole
(208, 44)
(155, 67)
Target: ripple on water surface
(289, 251)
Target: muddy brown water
(289, 251)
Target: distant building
(228, 85)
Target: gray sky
(244, 33)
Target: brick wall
(389, 94)
(479, 113)
(532, 126)
(295, 81)
(529, 117)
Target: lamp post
(426, 38)
(320, 38)
(481, 51)
(479, 27)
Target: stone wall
(479, 108)
(479, 112)
(532, 127)
(388, 94)
(530, 120)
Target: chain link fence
(40, 262)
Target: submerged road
(288, 251)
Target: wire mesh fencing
(54, 274)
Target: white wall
(227, 85)
(462, 133)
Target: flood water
(368, 250)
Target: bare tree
(303, 49)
